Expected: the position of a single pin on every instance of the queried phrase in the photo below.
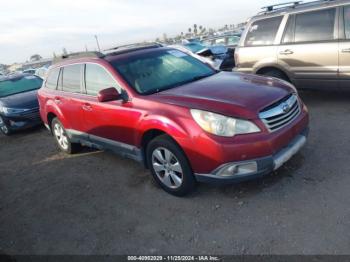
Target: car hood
(26, 100)
(233, 94)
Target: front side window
(159, 70)
(51, 81)
(347, 21)
(263, 32)
(97, 79)
(19, 84)
(315, 26)
(71, 78)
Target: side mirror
(109, 94)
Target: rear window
(263, 32)
(19, 84)
(72, 78)
(51, 81)
(315, 26)
(347, 21)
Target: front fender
(155, 122)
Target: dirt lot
(99, 203)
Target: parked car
(29, 71)
(182, 119)
(41, 72)
(227, 40)
(306, 44)
(219, 56)
(19, 108)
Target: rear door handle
(287, 52)
(346, 50)
(87, 107)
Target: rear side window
(71, 78)
(51, 81)
(315, 26)
(347, 21)
(263, 32)
(289, 31)
(97, 78)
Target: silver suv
(306, 44)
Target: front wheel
(170, 167)
(62, 138)
(4, 128)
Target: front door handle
(87, 107)
(346, 50)
(287, 52)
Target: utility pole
(98, 45)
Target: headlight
(8, 111)
(222, 125)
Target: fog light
(238, 169)
(17, 124)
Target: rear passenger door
(344, 47)
(70, 99)
(309, 48)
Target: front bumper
(21, 121)
(264, 166)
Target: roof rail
(77, 55)
(134, 46)
(271, 8)
(294, 4)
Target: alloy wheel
(61, 136)
(167, 167)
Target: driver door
(110, 124)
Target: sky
(47, 26)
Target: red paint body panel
(231, 94)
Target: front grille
(31, 114)
(281, 114)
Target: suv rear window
(347, 21)
(71, 78)
(315, 26)
(51, 81)
(263, 32)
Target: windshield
(164, 69)
(19, 84)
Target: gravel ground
(99, 203)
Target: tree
(64, 51)
(195, 31)
(35, 57)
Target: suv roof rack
(136, 45)
(108, 52)
(77, 55)
(294, 4)
(131, 47)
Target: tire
(170, 167)
(62, 140)
(277, 74)
(4, 128)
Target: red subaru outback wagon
(185, 121)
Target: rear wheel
(170, 167)
(62, 138)
(275, 73)
(4, 128)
